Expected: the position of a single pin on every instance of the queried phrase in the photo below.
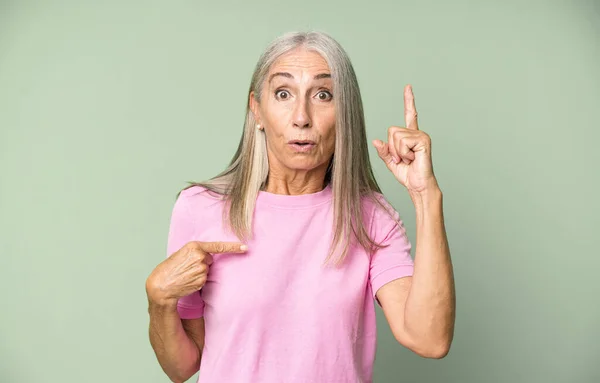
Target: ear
(254, 107)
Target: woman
(275, 264)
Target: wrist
(158, 299)
(430, 193)
(162, 305)
(428, 204)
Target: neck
(296, 185)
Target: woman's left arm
(420, 309)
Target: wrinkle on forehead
(301, 60)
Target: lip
(301, 141)
(306, 147)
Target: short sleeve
(181, 231)
(394, 261)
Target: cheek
(331, 138)
(327, 146)
(276, 140)
(276, 111)
(331, 146)
(329, 123)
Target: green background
(107, 108)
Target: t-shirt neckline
(300, 200)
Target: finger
(383, 150)
(208, 259)
(222, 247)
(410, 110)
(405, 143)
(392, 143)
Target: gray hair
(349, 173)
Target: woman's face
(297, 113)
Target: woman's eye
(282, 94)
(324, 95)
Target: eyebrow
(289, 75)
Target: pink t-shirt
(274, 314)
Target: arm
(421, 309)
(176, 342)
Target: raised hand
(407, 153)
(186, 270)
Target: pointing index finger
(223, 247)
(410, 110)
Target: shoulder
(195, 201)
(198, 196)
(380, 214)
(377, 206)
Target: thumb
(383, 150)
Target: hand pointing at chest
(407, 153)
(186, 270)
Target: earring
(258, 127)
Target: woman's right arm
(177, 343)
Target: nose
(301, 117)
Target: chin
(303, 164)
(298, 167)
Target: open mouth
(302, 145)
(305, 142)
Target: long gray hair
(349, 172)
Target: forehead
(300, 59)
